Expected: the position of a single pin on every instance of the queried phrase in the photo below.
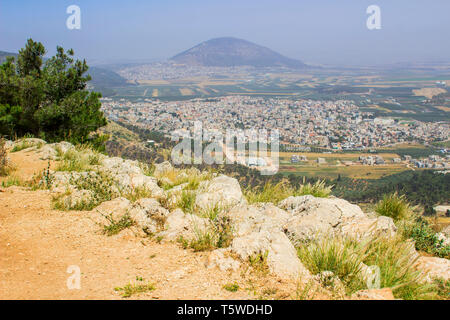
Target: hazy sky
(315, 31)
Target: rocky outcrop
(312, 217)
(149, 215)
(54, 150)
(187, 226)
(222, 191)
(257, 230)
(161, 168)
(129, 175)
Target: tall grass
(187, 201)
(344, 257)
(79, 159)
(275, 193)
(25, 144)
(394, 206)
(338, 255)
(174, 177)
(319, 189)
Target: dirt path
(38, 244)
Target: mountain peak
(231, 52)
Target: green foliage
(424, 237)
(395, 207)
(135, 288)
(218, 234)
(101, 186)
(187, 201)
(138, 193)
(269, 193)
(13, 181)
(232, 287)
(442, 289)
(48, 100)
(79, 159)
(424, 187)
(318, 189)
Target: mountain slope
(230, 52)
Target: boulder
(257, 230)
(115, 208)
(9, 144)
(433, 268)
(369, 227)
(32, 142)
(179, 224)
(119, 166)
(311, 217)
(149, 215)
(219, 259)
(221, 191)
(51, 151)
(161, 168)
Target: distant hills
(231, 52)
(101, 78)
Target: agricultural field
(333, 172)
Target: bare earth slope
(38, 244)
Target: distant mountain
(102, 79)
(4, 54)
(231, 52)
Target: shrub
(102, 188)
(42, 180)
(396, 261)
(318, 189)
(47, 99)
(395, 207)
